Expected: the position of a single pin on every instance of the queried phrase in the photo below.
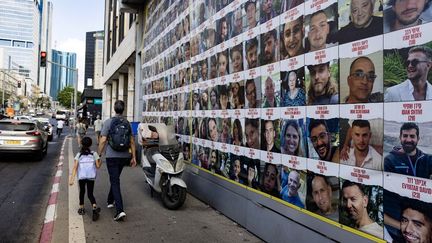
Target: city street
(26, 187)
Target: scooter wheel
(176, 199)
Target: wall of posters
(322, 104)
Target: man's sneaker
(96, 212)
(120, 216)
(110, 205)
(81, 211)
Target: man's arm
(132, 144)
(102, 144)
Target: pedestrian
(117, 133)
(98, 128)
(81, 130)
(60, 125)
(85, 165)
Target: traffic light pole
(75, 87)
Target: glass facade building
(61, 76)
(19, 35)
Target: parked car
(23, 136)
(48, 127)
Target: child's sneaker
(96, 212)
(81, 211)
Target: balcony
(131, 6)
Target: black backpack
(119, 134)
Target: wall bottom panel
(269, 219)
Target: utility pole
(4, 77)
(75, 88)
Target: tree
(65, 96)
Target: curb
(47, 229)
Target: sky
(71, 20)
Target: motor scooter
(162, 163)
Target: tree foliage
(65, 96)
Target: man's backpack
(119, 134)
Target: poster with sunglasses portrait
(361, 71)
(322, 130)
(361, 135)
(407, 64)
(293, 137)
(322, 77)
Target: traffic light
(43, 58)
(19, 84)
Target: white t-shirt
(60, 124)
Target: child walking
(86, 162)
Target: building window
(30, 45)
(4, 42)
(19, 43)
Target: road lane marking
(76, 223)
(50, 215)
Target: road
(26, 186)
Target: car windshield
(16, 126)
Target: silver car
(17, 137)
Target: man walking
(60, 125)
(116, 156)
(98, 128)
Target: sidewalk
(147, 220)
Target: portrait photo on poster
(271, 87)
(251, 53)
(292, 35)
(321, 28)
(270, 135)
(293, 137)
(401, 14)
(251, 14)
(293, 186)
(400, 213)
(407, 138)
(322, 83)
(323, 139)
(270, 181)
(361, 207)
(293, 88)
(323, 195)
(253, 93)
(237, 132)
(407, 73)
(361, 135)
(269, 47)
(361, 79)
